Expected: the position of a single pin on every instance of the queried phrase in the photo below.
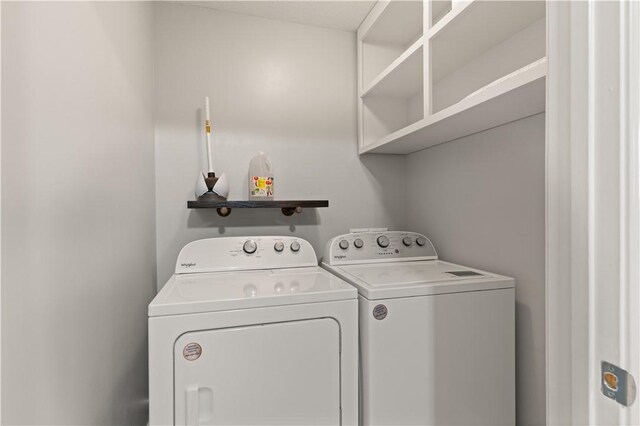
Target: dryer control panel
(245, 253)
(378, 246)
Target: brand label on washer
(192, 351)
(380, 312)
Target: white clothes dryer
(251, 331)
(437, 339)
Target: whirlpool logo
(188, 265)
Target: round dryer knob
(358, 243)
(295, 246)
(343, 244)
(249, 246)
(383, 241)
(278, 246)
(407, 241)
(421, 241)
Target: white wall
(481, 201)
(283, 88)
(78, 168)
(78, 211)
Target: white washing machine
(251, 331)
(437, 340)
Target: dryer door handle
(192, 411)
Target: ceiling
(339, 15)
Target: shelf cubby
(391, 28)
(402, 78)
(482, 42)
(395, 99)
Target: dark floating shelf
(288, 207)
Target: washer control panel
(377, 246)
(245, 253)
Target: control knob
(421, 241)
(343, 244)
(383, 241)
(249, 246)
(407, 241)
(295, 246)
(278, 246)
(358, 243)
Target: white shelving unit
(458, 68)
(390, 65)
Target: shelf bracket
(223, 211)
(289, 211)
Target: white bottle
(260, 178)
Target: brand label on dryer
(192, 351)
(380, 312)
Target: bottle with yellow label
(260, 178)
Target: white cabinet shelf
(517, 97)
(480, 64)
(388, 31)
(403, 78)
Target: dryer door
(273, 374)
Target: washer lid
(402, 279)
(221, 291)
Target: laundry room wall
(283, 88)
(78, 239)
(481, 201)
